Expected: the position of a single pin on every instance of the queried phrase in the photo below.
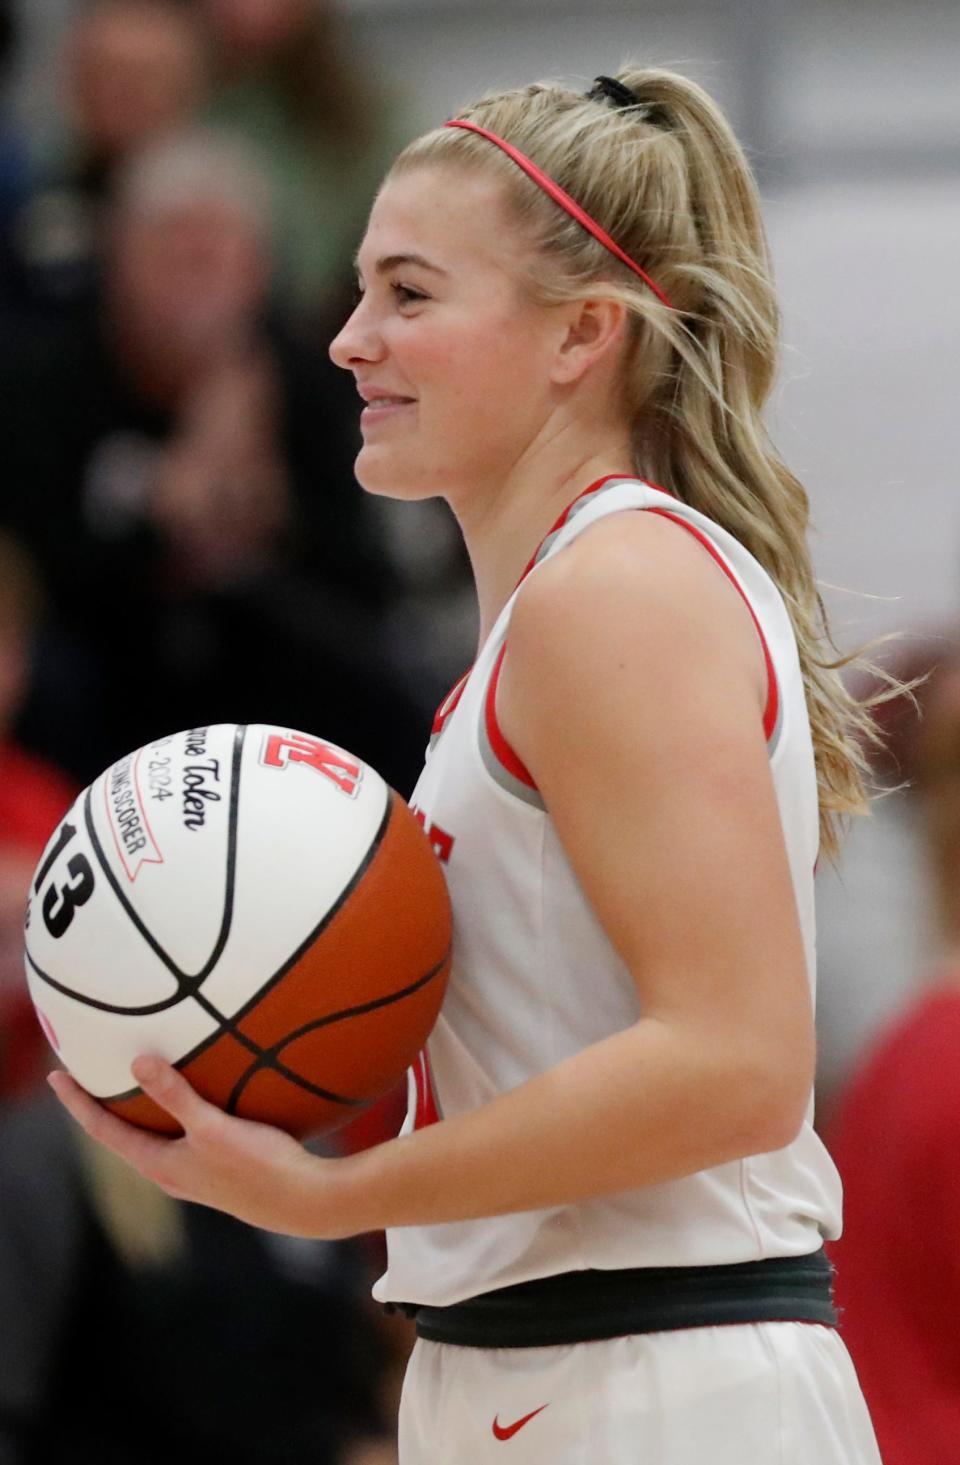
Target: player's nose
(358, 340)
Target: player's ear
(594, 327)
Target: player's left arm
(633, 689)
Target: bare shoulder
(634, 589)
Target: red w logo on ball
(343, 770)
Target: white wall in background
(444, 56)
(868, 409)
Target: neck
(503, 528)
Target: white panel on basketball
(98, 1047)
(280, 901)
(166, 806)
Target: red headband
(560, 196)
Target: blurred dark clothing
(233, 1349)
(129, 72)
(25, 284)
(895, 1142)
(50, 259)
(16, 174)
(130, 650)
(16, 169)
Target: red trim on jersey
(773, 696)
(593, 488)
(449, 703)
(426, 1111)
(501, 748)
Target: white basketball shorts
(774, 1393)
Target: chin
(376, 474)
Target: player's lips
(381, 404)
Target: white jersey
(535, 979)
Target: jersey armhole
(500, 760)
(447, 707)
(508, 769)
(772, 710)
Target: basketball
(251, 903)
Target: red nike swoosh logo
(507, 1431)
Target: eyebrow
(390, 262)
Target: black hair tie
(608, 87)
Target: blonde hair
(670, 184)
(934, 750)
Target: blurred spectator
(33, 797)
(324, 128)
(895, 1141)
(183, 471)
(16, 170)
(14, 162)
(134, 71)
(141, 1331)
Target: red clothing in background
(34, 796)
(896, 1142)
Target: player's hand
(252, 1171)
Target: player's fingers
(161, 1082)
(134, 1145)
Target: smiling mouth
(383, 406)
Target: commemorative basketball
(252, 903)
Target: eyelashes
(403, 294)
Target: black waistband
(579, 1307)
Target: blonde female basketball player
(612, 1241)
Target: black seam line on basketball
(363, 1007)
(269, 1057)
(228, 1024)
(185, 982)
(227, 1027)
(104, 1006)
(321, 926)
(295, 1078)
